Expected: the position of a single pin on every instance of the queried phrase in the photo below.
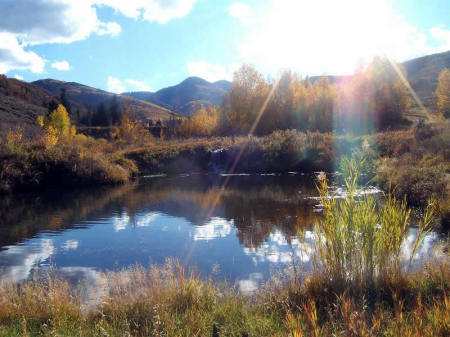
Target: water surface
(243, 233)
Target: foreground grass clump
(165, 301)
(360, 240)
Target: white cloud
(442, 35)
(14, 56)
(56, 21)
(328, 36)
(27, 23)
(61, 65)
(109, 28)
(115, 85)
(138, 84)
(18, 77)
(241, 11)
(32, 22)
(161, 11)
(208, 71)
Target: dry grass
(167, 301)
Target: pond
(243, 233)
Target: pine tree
(101, 117)
(52, 106)
(115, 111)
(65, 101)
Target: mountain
(423, 74)
(91, 98)
(188, 95)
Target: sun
(326, 36)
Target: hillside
(188, 95)
(21, 102)
(423, 73)
(92, 98)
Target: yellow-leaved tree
(202, 123)
(130, 130)
(442, 93)
(56, 125)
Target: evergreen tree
(115, 111)
(101, 116)
(52, 106)
(65, 101)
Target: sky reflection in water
(250, 235)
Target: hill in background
(187, 96)
(92, 98)
(22, 102)
(423, 74)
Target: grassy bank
(165, 301)
(412, 163)
(32, 164)
(87, 161)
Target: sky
(137, 45)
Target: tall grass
(359, 238)
(168, 301)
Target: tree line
(373, 99)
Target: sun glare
(326, 36)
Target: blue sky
(135, 45)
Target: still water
(242, 234)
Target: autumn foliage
(442, 93)
(372, 99)
(202, 123)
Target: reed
(359, 239)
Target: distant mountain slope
(423, 73)
(21, 102)
(188, 95)
(92, 98)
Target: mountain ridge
(91, 98)
(188, 95)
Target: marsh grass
(168, 301)
(360, 239)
